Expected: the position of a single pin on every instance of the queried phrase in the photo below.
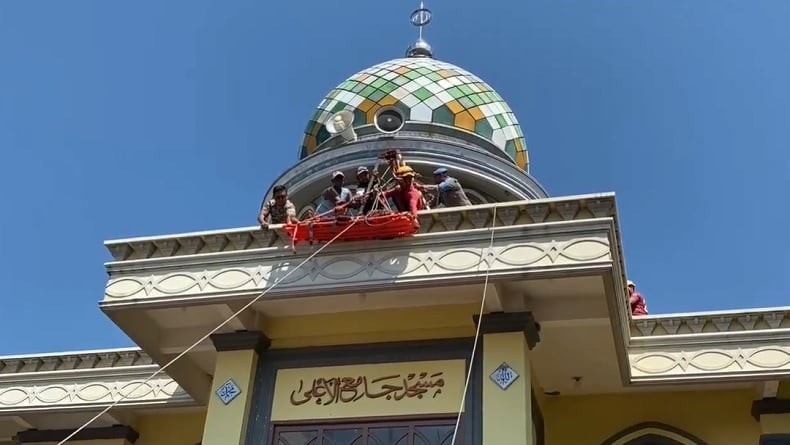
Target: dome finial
(420, 18)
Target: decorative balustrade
(69, 362)
(81, 380)
(431, 221)
(710, 322)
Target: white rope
(477, 331)
(202, 339)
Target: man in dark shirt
(279, 209)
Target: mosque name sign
(350, 389)
(368, 389)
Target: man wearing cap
(405, 194)
(279, 209)
(334, 196)
(361, 198)
(636, 300)
(448, 189)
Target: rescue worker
(447, 189)
(636, 300)
(278, 210)
(405, 194)
(333, 196)
(363, 200)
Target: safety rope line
(202, 339)
(477, 331)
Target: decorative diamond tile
(504, 376)
(453, 96)
(228, 391)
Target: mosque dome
(426, 91)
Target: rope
(477, 333)
(202, 339)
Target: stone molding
(573, 208)
(111, 432)
(501, 322)
(454, 257)
(710, 346)
(76, 361)
(775, 320)
(87, 388)
(669, 364)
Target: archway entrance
(369, 432)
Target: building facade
(500, 323)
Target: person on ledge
(447, 189)
(363, 200)
(334, 196)
(405, 194)
(636, 300)
(278, 210)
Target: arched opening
(305, 212)
(653, 433)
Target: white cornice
(38, 387)
(73, 362)
(433, 221)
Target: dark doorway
(383, 432)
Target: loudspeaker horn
(389, 120)
(342, 123)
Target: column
(774, 416)
(507, 378)
(231, 395)
(111, 435)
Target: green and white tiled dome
(426, 90)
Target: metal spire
(420, 18)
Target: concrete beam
(146, 333)
(245, 321)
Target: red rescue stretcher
(381, 224)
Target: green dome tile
(426, 90)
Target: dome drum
(478, 169)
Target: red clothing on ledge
(408, 199)
(638, 305)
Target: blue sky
(122, 119)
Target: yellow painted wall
(170, 429)
(720, 417)
(428, 323)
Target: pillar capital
(774, 417)
(241, 341)
(120, 432)
(501, 322)
(770, 406)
